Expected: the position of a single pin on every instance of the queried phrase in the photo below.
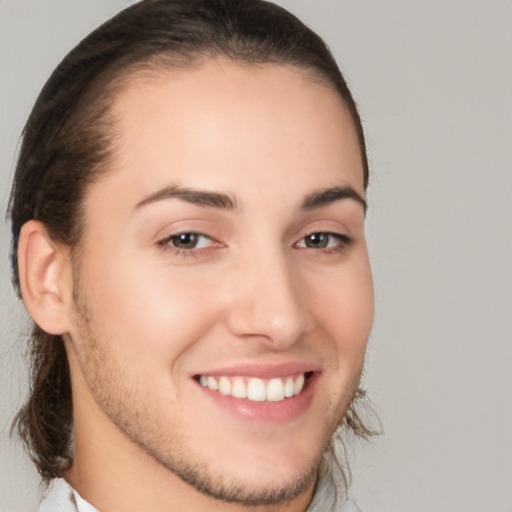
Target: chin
(248, 474)
(252, 488)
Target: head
(152, 77)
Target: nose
(267, 302)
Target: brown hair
(67, 143)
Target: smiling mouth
(254, 388)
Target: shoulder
(350, 506)
(330, 496)
(61, 497)
(330, 492)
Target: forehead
(225, 125)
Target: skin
(147, 318)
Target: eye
(187, 241)
(324, 240)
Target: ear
(46, 278)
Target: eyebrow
(198, 197)
(223, 201)
(330, 195)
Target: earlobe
(45, 278)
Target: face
(224, 290)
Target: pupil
(185, 241)
(317, 240)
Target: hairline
(106, 89)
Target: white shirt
(61, 497)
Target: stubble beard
(126, 406)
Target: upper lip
(263, 371)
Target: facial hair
(125, 401)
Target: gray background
(434, 81)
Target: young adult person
(188, 237)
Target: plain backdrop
(434, 82)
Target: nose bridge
(267, 300)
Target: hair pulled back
(67, 143)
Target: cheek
(156, 312)
(344, 308)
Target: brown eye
(325, 240)
(184, 241)
(188, 241)
(317, 240)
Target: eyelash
(342, 245)
(343, 242)
(165, 244)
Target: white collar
(61, 497)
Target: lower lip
(283, 411)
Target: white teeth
(224, 386)
(275, 390)
(299, 384)
(289, 388)
(212, 383)
(257, 390)
(239, 389)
